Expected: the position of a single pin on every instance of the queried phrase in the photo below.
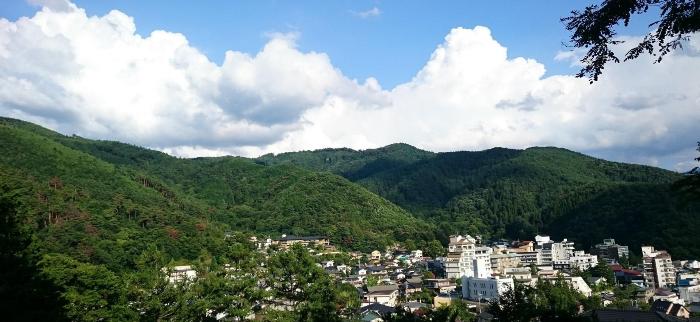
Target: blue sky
(391, 46)
(256, 77)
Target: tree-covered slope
(94, 211)
(518, 193)
(349, 163)
(227, 192)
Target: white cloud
(96, 77)
(374, 12)
(55, 5)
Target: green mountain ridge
(114, 193)
(102, 201)
(512, 193)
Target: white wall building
(582, 261)
(563, 250)
(542, 239)
(689, 294)
(382, 294)
(181, 274)
(501, 262)
(659, 271)
(519, 273)
(481, 265)
(529, 258)
(485, 288)
(460, 256)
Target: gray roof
(382, 288)
(381, 309)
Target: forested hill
(349, 163)
(104, 202)
(518, 193)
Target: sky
(255, 77)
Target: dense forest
(519, 193)
(96, 200)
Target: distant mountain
(518, 193)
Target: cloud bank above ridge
(96, 77)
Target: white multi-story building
(461, 243)
(501, 262)
(542, 239)
(481, 266)
(474, 288)
(659, 271)
(529, 258)
(451, 264)
(522, 274)
(563, 250)
(460, 256)
(545, 251)
(551, 252)
(582, 261)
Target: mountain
(519, 193)
(349, 163)
(104, 202)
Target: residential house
(670, 308)
(413, 285)
(382, 294)
(439, 285)
(377, 270)
(414, 306)
(375, 312)
(666, 295)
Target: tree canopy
(594, 28)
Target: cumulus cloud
(96, 77)
(55, 5)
